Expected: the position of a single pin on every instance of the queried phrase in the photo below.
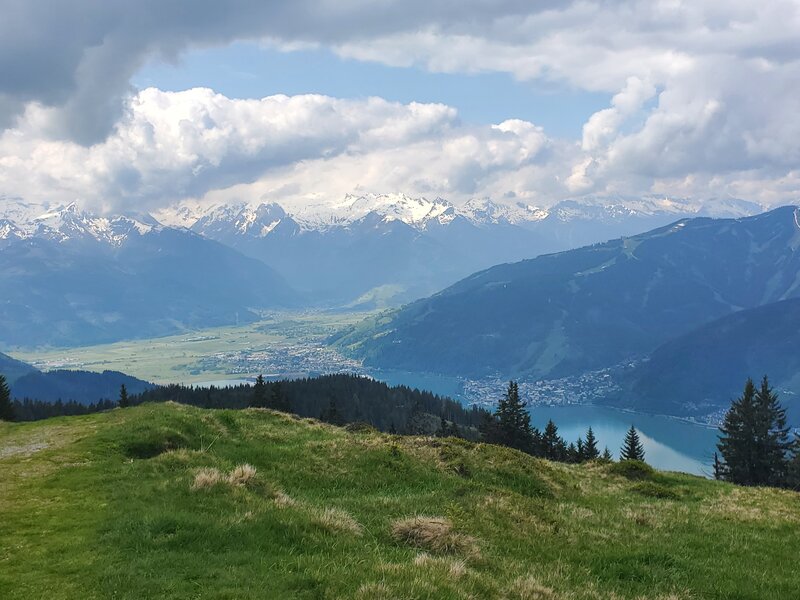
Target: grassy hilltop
(169, 501)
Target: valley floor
(155, 502)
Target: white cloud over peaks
(169, 146)
(705, 100)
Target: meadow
(170, 501)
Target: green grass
(105, 506)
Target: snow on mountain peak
(68, 222)
(484, 210)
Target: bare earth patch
(24, 450)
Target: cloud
(170, 146)
(704, 100)
(77, 57)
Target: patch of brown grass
(207, 478)
(242, 475)
(376, 591)
(434, 534)
(337, 520)
(283, 500)
(529, 588)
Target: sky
(143, 105)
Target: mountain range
(68, 278)
(71, 277)
(374, 250)
(566, 313)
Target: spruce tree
(6, 406)
(632, 448)
(332, 415)
(511, 425)
(736, 439)
(278, 399)
(259, 399)
(443, 430)
(580, 449)
(590, 451)
(771, 437)
(554, 446)
(572, 454)
(124, 401)
(754, 440)
(606, 456)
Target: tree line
(754, 445)
(510, 425)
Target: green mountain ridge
(701, 371)
(563, 314)
(170, 501)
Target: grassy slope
(86, 515)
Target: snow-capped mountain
(372, 248)
(345, 249)
(63, 223)
(71, 277)
(258, 220)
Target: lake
(670, 444)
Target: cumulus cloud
(169, 146)
(704, 99)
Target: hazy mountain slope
(107, 506)
(587, 308)
(83, 387)
(13, 369)
(701, 371)
(340, 251)
(67, 286)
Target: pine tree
(259, 399)
(736, 442)
(632, 448)
(771, 437)
(572, 454)
(590, 451)
(554, 446)
(606, 456)
(6, 406)
(511, 425)
(443, 430)
(754, 441)
(278, 399)
(580, 450)
(332, 415)
(124, 401)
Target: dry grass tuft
(337, 520)
(242, 475)
(207, 478)
(283, 500)
(529, 588)
(434, 534)
(375, 591)
(454, 568)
